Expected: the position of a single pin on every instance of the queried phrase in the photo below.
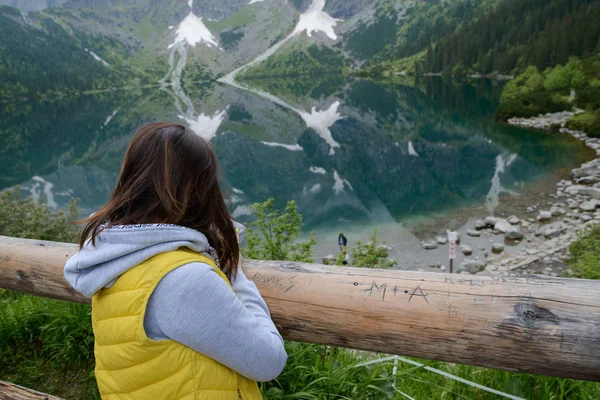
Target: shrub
(273, 235)
(23, 217)
(587, 122)
(371, 254)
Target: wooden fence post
(531, 324)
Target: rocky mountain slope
(191, 40)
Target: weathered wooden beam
(531, 324)
(10, 391)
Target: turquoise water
(354, 154)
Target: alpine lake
(411, 159)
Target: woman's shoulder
(191, 277)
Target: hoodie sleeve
(194, 306)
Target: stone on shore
(544, 216)
(589, 205)
(498, 247)
(501, 226)
(554, 230)
(514, 220)
(588, 180)
(513, 233)
(467, 250)
(479, 225)
(584, 171)
(491, 221)
(472, 266)
(473, 233)
(429, 245)
(584, 190)
(556, 211)
(441, 239)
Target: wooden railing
(532, 324)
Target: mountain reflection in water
(354, 154)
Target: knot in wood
(533, 316)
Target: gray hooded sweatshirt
(192, 304)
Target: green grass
(47, 345)
(585, 255)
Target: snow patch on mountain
(493, 197)
(42, 185)
(338, 185)
(321, 121)
(97, 58)
(238, 191)
(290, 147)
(255, 1)
(316, 188)
(192, 31)
(205, 126)
(318, 170)
(110, 117)
(314, 19)
(411, 150)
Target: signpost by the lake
(452, 238)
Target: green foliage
(371, 254)
(53, 61)
(312, 60)
(585, 255)
(23, 217)
(324, 372)
(557, 79)
(588, 122)
(47, 345)
(393, 36)
(533, 93)
(273, 236)
(518, 33)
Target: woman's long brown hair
(170, 175)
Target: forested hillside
(50, 61)
(398, 33)
(314, 59)
(519, 33)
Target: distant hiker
(173, 313)
(342, 241)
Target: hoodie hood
(120, 248)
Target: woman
(173, 314)
(342, 241)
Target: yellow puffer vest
(131, 366)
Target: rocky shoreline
(551, 227)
